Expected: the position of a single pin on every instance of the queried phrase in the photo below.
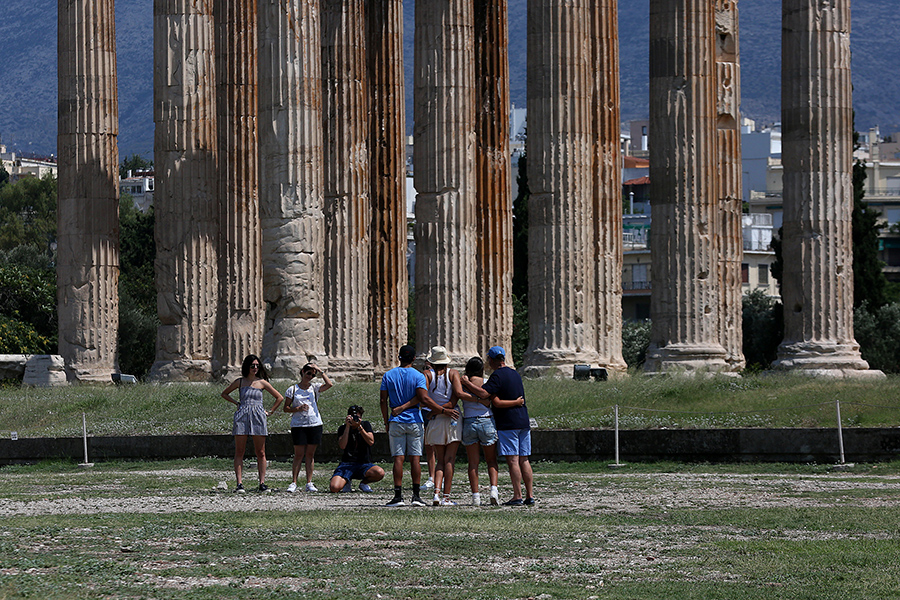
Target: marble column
(561, 270)
(88, 191)
(684, 240)
(184, 199)
(240, 317)
(444, 158)
(728, 74)
(494, 256)
(603, 18)
(817, 147)
(347, 205)
(389, 275)
(291, 184)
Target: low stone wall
(688, 445)
(39, 370)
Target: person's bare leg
(515, 476)
(438, 468)
(375, 473)
(299, 452)
(490, 457)
(527, 475)
(473, 454)
(449, 466)
(337, 484)
(415, 469)
(309, 457)
(240, 446)
(259, 445)
(398, 470)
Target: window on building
(763, 274)
(745, 273)
(639, 273)
(893, 215)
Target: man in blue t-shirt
(507, 394)
(406, 430)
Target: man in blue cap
(513, 425)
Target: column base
(350, 369)
(553, 362)
(687, 359)
(824, 359)
(183, 370)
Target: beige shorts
(442, 431)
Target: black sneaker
(263, 487)
(239, 489)
(514, 502)
(529, 502)
(397, 501)
(416, 501)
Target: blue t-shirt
(401, 384)
(506, 384)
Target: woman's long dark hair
(260, 372)
(475, 367)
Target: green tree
(138, 320)
(635, 341)
(28, 213)
(869, 281)
(4, 176)
(133, 163)
(520, 331)
(28, 296)
(877, 331)
(763, 329)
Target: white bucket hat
(438, 356)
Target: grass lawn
(165, 530)
(645, 402)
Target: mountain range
(28, 75)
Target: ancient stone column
(347, 208)
(241, 311)
(817, 146)
(607, 181)
(389, 275)
(493, 222)
(444, 162)
(561, 275)
(686, 302)
(291, 184)
(88, 191)
(728, 76)
(184, 199)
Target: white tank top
(475, 409)
(440, 389)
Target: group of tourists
(428, 412)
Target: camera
(355, 412)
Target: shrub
(17, 337)
(877, 331)
(635, 341)
(763, 329)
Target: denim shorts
(352, 470)
(479, 430)
(514, 442)
(406, 438)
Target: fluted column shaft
(561, 272)
(685, 303)
(291, 184)
(185, 201)
(728, 73)
(494, 219)
(817, 146)
(389, 276)
(347, 208)
(88, 191)
(241, 310)
(607, 181)
(444, 159)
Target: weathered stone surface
(684, 241)
(728, 73)
(347, 207)
(45, 370)
(88, 191)
(607, 182)
(240, 313)
(185, 201)
(817, 147)
(444, 157)
(561, 287)
(12, 366)
(493, 223)
(389, 275)
(291, 184)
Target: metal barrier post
(84, 436)
(840, 429)
(616, 436)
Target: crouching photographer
(355, 438)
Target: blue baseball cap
(496, 352)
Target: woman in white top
(302, 400)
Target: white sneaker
(476, 499)
(310, 487)
(448, 502)
(495, 496)
(347, 488)
(436, 501)
(292, 488)
(429, 485)
(364, 487)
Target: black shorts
(303, 436)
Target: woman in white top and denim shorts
(302, 400)
(480, 433)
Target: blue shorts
(352, 470)
(514, 442)
(479, 430)
(406, 438)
